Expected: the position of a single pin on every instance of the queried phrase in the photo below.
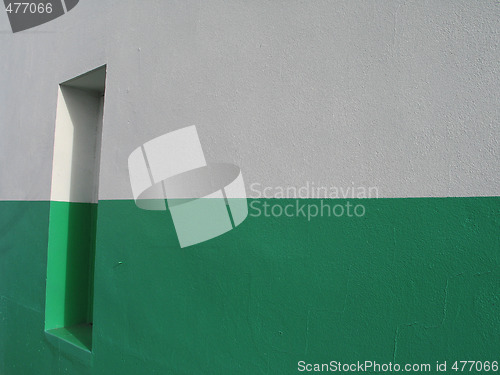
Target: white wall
(75, 165)
(403, 95)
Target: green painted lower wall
(412, 281)
(70, 264)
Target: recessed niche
(73, 209)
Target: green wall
(414, 280)
(70, 261)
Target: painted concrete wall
(402, 95)
(75, 163)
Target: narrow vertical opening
(73, 208)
